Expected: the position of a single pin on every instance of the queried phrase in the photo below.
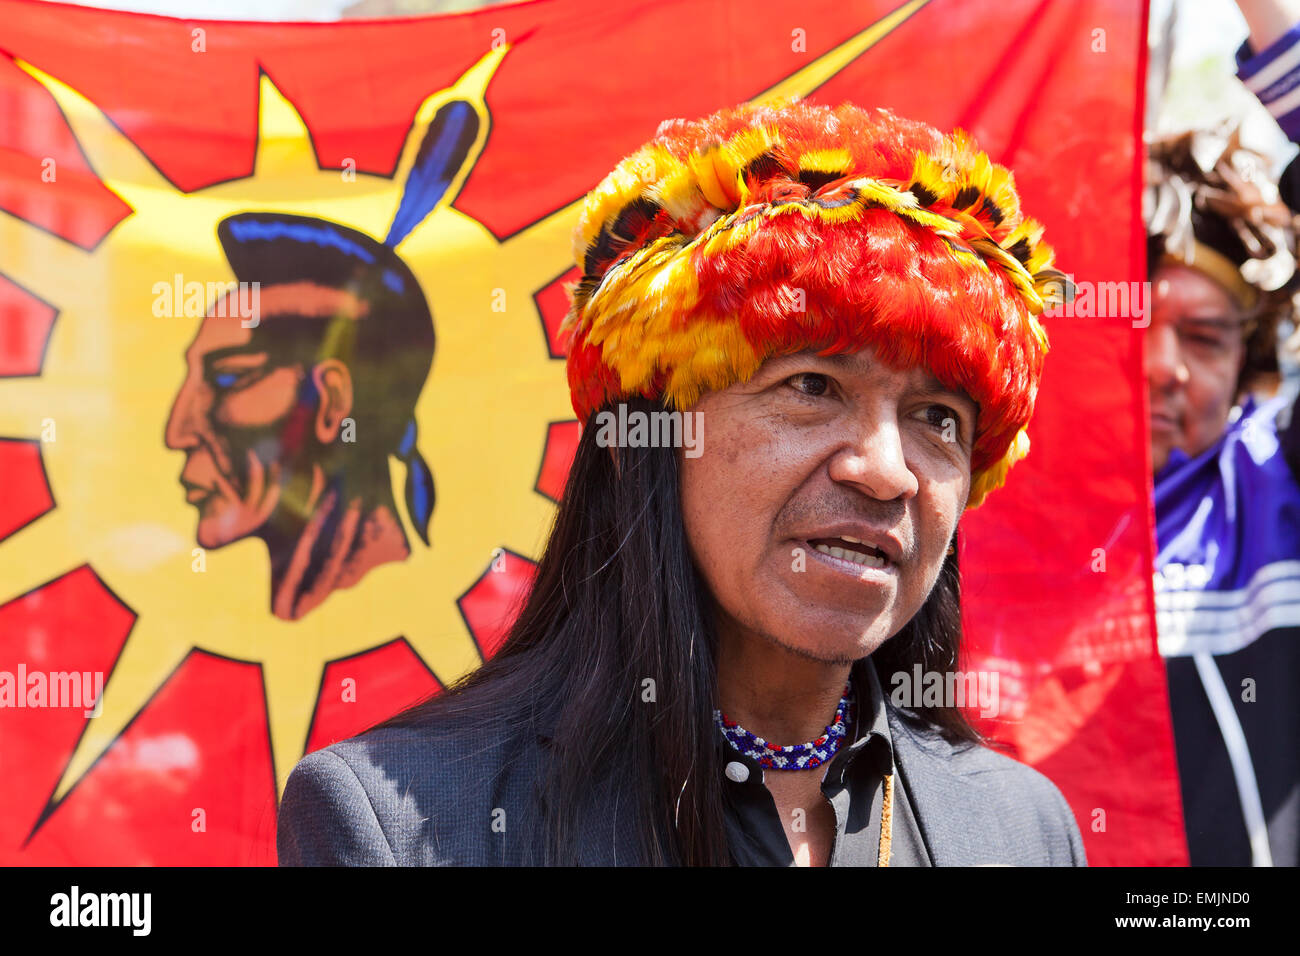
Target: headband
(1220, 268)
(766, 230)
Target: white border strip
(1193, 598)
(1282, 65)
(1221, 622)
(1243, 770)
(1285, 103)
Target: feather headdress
(765, 230)
(1210, 204)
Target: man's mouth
(195, 494)
(1162, 415)
(1163, 421)
(851, 549)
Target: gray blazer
(408, 797)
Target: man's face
(225, 416)
(819, 453)
(249, 425)
(1194, 354)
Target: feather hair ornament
(768, 229)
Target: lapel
(949, 810)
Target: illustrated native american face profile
(287, 423)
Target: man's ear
(334, 385)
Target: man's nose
(181, 433)
(876, 461)
(1164, 360)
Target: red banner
(137, 154)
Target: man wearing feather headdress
(851, 300)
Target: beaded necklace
(796, 756)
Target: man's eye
(236, 378)
(1207, 334)
(810, 383)
(943, 417)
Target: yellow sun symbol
(111, 371)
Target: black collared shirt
(853, 784)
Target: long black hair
(617, 604)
